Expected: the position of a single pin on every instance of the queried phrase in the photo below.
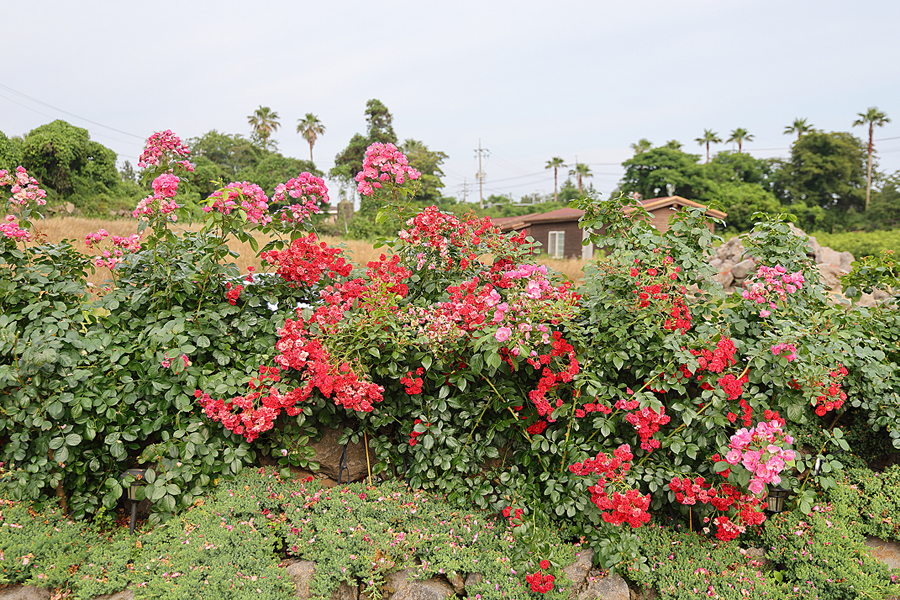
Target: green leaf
(73, 439)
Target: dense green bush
(463, 365)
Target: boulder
(401, 587)
(474, 579)
(611, 587)
(731, 251)
(302, 572)
(126, 595)
(328, 454)
(887, 552)
(830, 276)
(457, 582)
(24, 592)
(740, 270)
(842, 260)
(725, 278)
(578, 571)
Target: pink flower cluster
(308, 189)
(120, 246)
(166, 185)
(24, 189)
(383, 163)
(761, 451)
(789, 350)
(630, 507)
(152, 205)
(10, 228)
(159, 145)
(253, 201)
(771, 284)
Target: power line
(6, 87)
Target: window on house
(556, 245)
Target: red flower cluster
(413, 384)
(307, 261)
(831, 397)
(389, 274)
(541, 583)
(252, 421)
(233, 293)
(716, 361)
(414, 434)
(537, 427)
(516, 519)
(690, 492)
(300, 351)
(658, 288)
(630, 507)
(647, 421)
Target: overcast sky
(531, 80)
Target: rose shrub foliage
(465, 365)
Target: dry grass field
(359, 252)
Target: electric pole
(481, 174)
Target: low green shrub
(820, 556)
(686, 565)
(39, 548)
(869, 501)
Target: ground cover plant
(235, 542)
(463, 365)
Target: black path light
(138, 475)
(777, 498)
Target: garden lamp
(138, 475)
(776, 499)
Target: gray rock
(126, 595)
(402, 587)
(725, 278)
(24, 592)
(578, 571)
(611, 587)
(302, 573)
(345, 592)
(474, 579)
(830, 276)
(731, 251)
(887, 552)
(328, 455)
(457, 581)
(645, 594)
(740, 270)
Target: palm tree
(642, 145)
(740, 136)
(873, 117)
(581, 172)
(800, 126)
(310, 127)
(555, 163)
(264, 121)
(709, 137)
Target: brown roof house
(560, 236)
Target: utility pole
(481, 174)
